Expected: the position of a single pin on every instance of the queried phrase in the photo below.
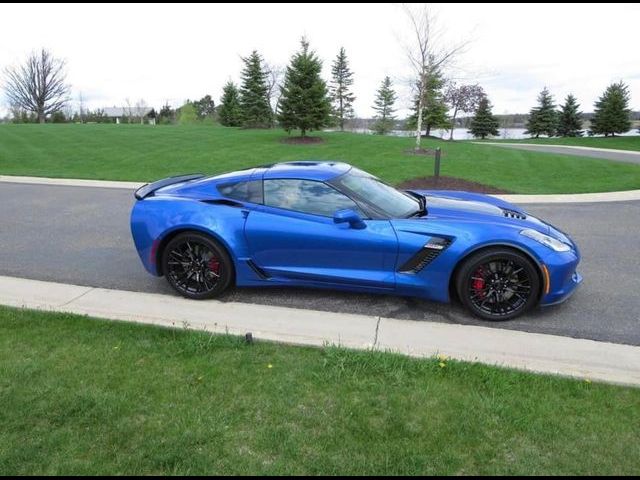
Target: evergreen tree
(230, 112)
(166, 114)
(434, 111)
(484, 122)
(304, 103)
(254, 94)
(612, 113)
(570, 118)
(543, 119)
(383, 105)
(341, 96)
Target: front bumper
(562, 294)
(563, 277)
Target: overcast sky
(173, 52)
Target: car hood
(464, 206)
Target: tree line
(297, 98)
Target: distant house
(123, 114)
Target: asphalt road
(617, 155)
(81, 235)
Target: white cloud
(170, 52)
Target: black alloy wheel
(196, 266)
(498, 284)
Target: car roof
(308, 170)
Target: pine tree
(570, 118)
(434, 111)
(543, 119)
(304, 103)
(484, 123)
(612, 113)
(341, 97)
(230, 112)
(254, 94)
(383, 105)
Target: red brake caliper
(214, 265)
(478, 282)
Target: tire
(196, 266)
(498, 284)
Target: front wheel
(498, 284)
(196, 266)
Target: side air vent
(223, 201)
(261, 273)
(513, 214)
(426, 255)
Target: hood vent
(513, 214)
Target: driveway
(627, 156)
(81, 235)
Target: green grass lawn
(85, 396)
(616, 143)
(143, 153)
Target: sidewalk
(623, 196)
(529, 351)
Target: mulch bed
(448, 183)
(302, 140)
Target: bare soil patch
(448, 183)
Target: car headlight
(546, 240)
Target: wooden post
(436, 165)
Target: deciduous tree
(462, 99)
(427, 54)
(39, 85)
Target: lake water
(463, 134)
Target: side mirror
(351, 217)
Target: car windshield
(379, 196)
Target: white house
(118, 113)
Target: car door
(292, 236)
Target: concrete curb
(549, 354)
(625, 196)
(70, 182)
(632, 153)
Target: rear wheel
(196, 266)
(498, 284)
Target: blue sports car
(331, 225)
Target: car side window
(250, 191)
(306, 196)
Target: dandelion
(586, 380)
(269, 366)
(442, 364)
(116, 347)
(442, 357)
